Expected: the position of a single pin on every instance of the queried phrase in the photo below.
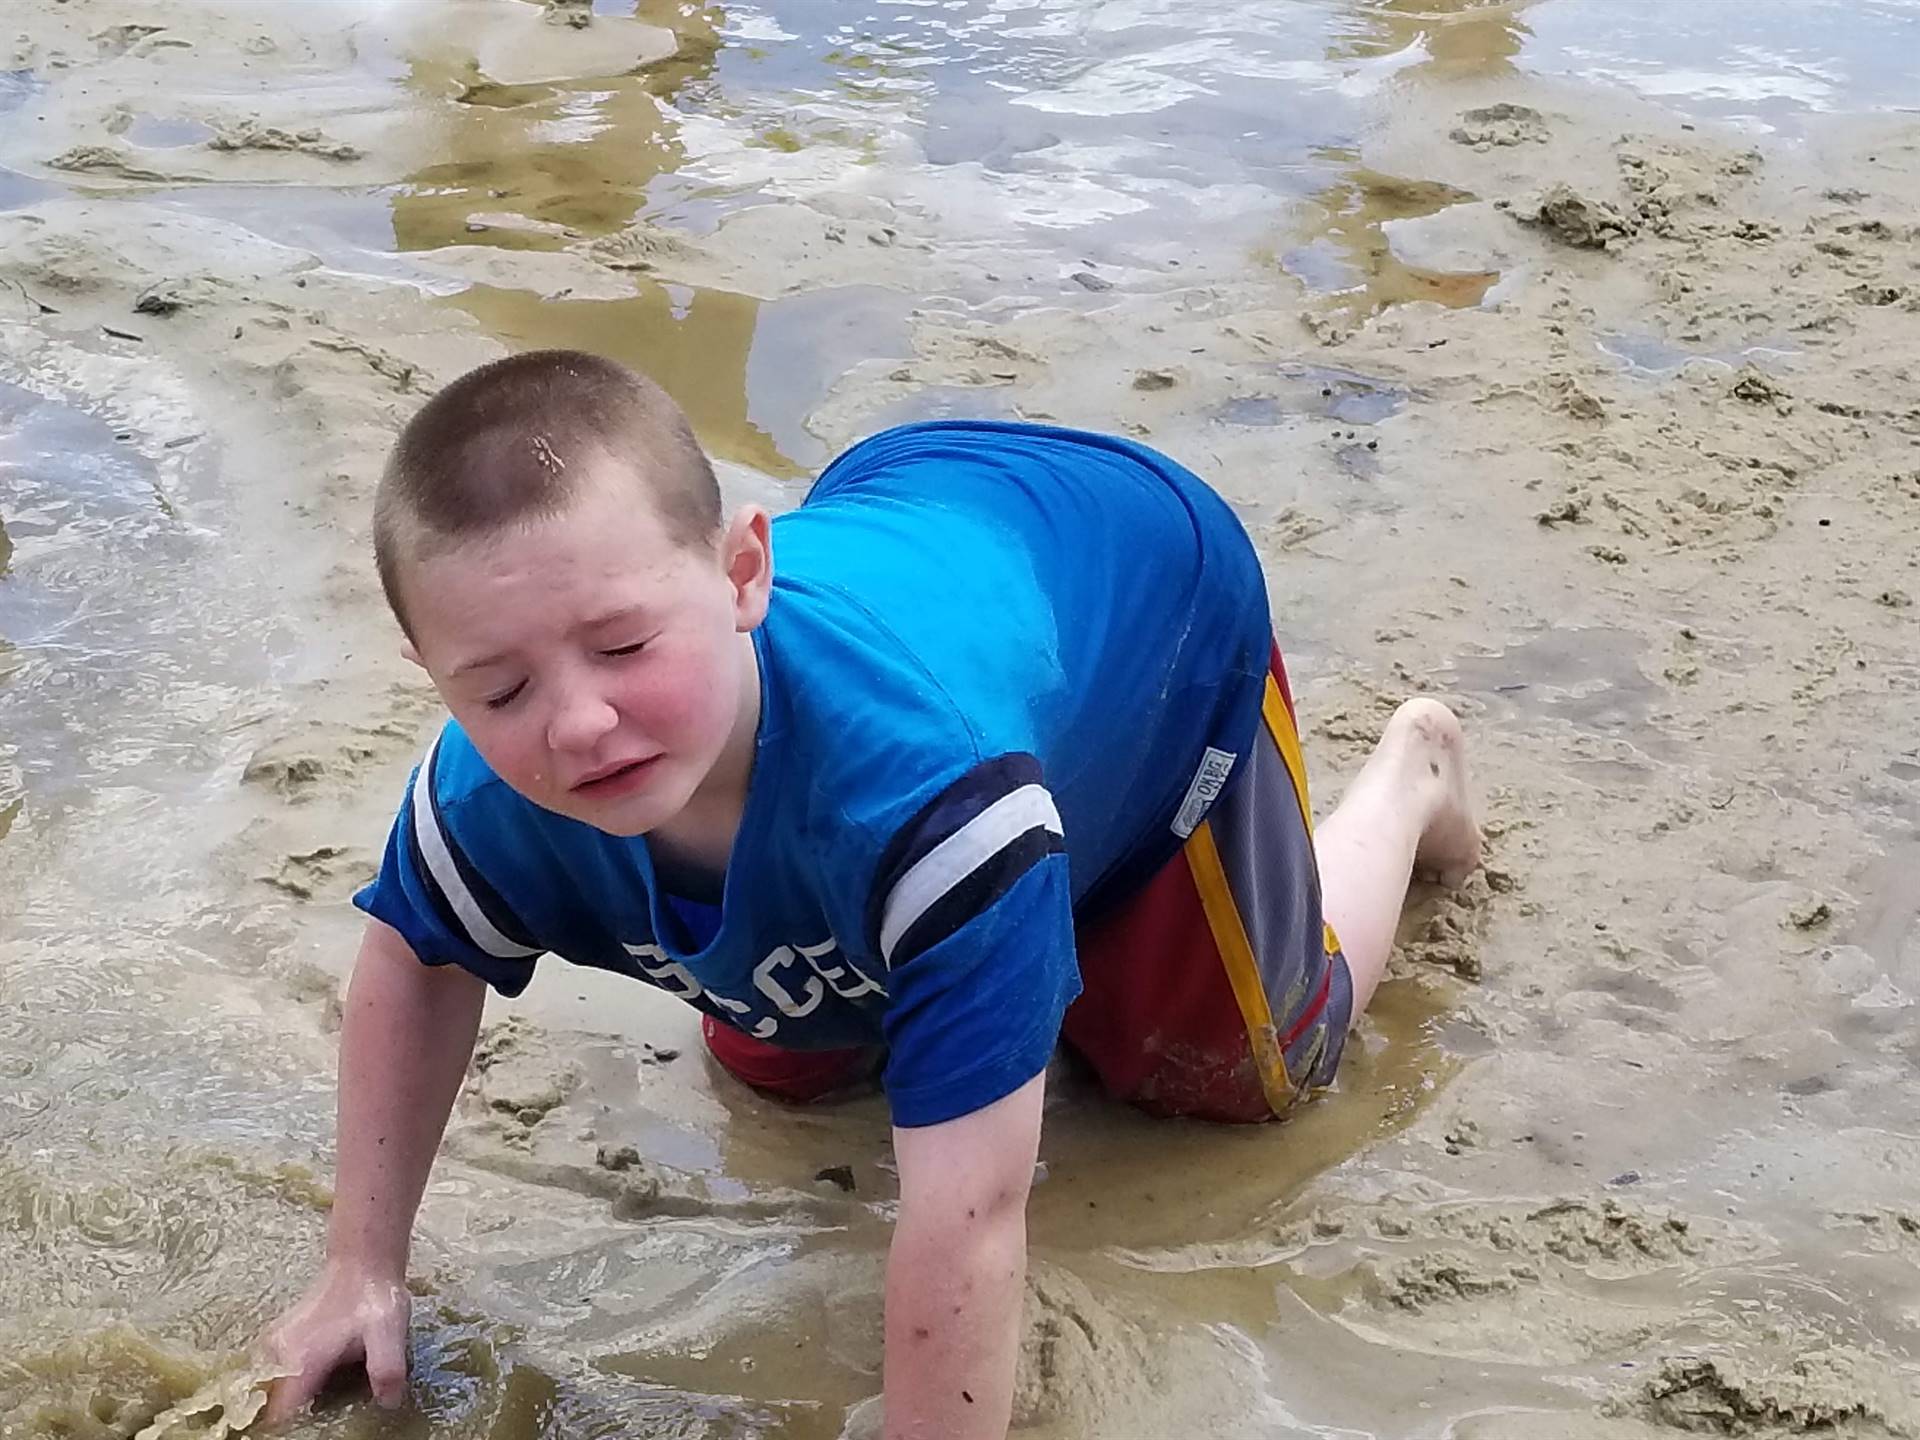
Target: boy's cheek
(515, 758)
(676, 703)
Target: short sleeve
(433, 892)
(973, 914)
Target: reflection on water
(747, 372)
(155, 132)
(694, 342)
(1767, 64)
(1349, 252)
(16, 88)
(577, 155)
(991, 127)
(1652, 355)
(1449, 39)
(537, 166)
(1107, 132)
(110, 667)
(781, 1321)
(19, 191)
(1343, 396)
(1207, 1180)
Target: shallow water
(1089, 135)
(155, 1091)
(123, 660)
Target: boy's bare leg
(1409, 808)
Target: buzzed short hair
(508, 443)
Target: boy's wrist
(363, 1261)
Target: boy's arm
(405, 1044)
(956, 1274)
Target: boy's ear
(746, 553)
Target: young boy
(1000, 752)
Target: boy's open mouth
(614, 777)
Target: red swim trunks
(1217, 991)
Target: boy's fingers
(289, 1395)
(387, 1364)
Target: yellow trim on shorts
(1243, 973)
(1286, 736)
(1273, 706)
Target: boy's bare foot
(1409, 810)
(1425, 735)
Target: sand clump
(1446, 930)
(1606, 1237)
(1889, 1231)
(253, 134)
(1756, 387)
(641, 247)
(1413, 1259)
(1675, 191)
(170, 297)
(573, 14)
(1501, 124)
(1071, 1351)
(1582, 221)
(516, 1073)
(1555, 1284)
(118, 1384)
(322, 758)
(1832, 1391)
(101, 159)
(1437, 1276)
(119, 39)
(329, 872)
(1087, 1368)
(227, 1404)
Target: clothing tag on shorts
(1208, 781)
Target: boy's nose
(580, 720)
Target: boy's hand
(346, 1316)
(404, 1046)
(956, 1275)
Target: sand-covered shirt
(1004, 671)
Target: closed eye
(619, 650)
(505, 697)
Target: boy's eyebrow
(478, 664)
(625, 612)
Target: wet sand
(1562, 365)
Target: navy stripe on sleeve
(962, 852)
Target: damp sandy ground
(1562, 360)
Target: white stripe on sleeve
(439, 857)
(960, 854)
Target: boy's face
(599, 667)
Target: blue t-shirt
(1004, 670)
